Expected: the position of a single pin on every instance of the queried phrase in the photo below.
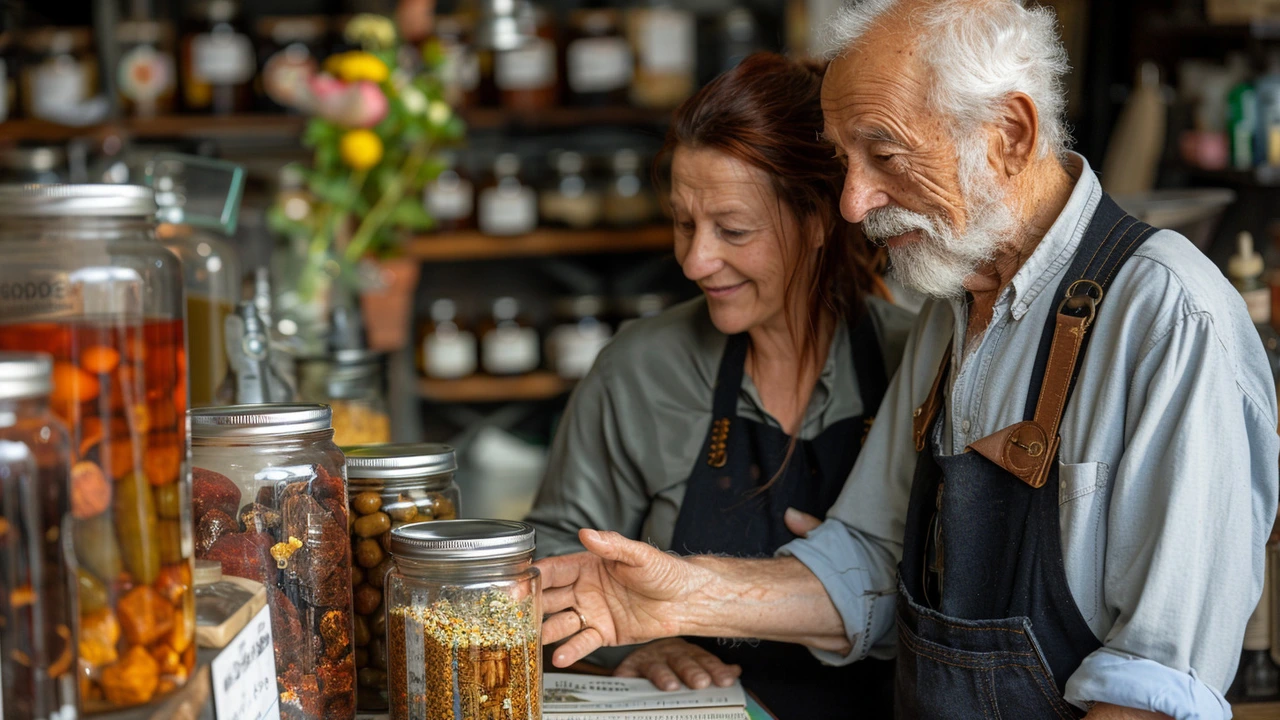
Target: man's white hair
(980, 51)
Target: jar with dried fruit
(85, 281)
(270, 500)
(37, 609)
(391, 486)
(464, 619)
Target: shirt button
(964, 426)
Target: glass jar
(664, 39)
(450, 199)
(270, 499)
(217, 60)
(42, 164)
(508, 342)
(598, 61)
(572, 201)
(579, 336)
(353, 384)
(290, 48)
(85, 281)
(446, 349)
(59, 74)
(38, 607)
(391, 486)
(628, 201)
(145, 75)
(449, 579)
(508, 207)
(460, 69)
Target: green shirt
(636, 424)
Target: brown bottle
(217, 61)
(508, 341)
(526, 77)
(451, 198)
(446, 348)
(598, 60)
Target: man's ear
(1017, 131)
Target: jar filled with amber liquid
(460, 72)
(508, 206)
(526, 76)
(59, 74)
(663, 37)
(572, 201)
(85, 281)
(146, 78)
(628, 201)
(464, 621)
(446, 347)
(217, 60)
(38, 607)
(450, 199)
(598, 60)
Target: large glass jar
(84, 280)
(391, 486)
(464, 617)
(353, 383)
(270, 499)
(37, 609)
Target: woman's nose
(703, 257)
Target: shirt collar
(1058, 246)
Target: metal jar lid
(398, 461)
(259, 420)
(462, 540)
(58, 201)
(24, 375)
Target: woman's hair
(767, 113)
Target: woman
(699, 429)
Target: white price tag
(532, 67)
(599, 64)
(244, 674)
(450, 356)
(668, 41)
(222, 58)
(450, 198)
(508, 211)
(511, 351)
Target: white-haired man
(1063, 504)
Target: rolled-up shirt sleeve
(1193, 502)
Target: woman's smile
(723, 291)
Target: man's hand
(667, 663)
(626, 590)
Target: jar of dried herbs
(390, 486)
(270, 501)
(464, 622)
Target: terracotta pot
(388, 310)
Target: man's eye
(686, 227)
(886, 158)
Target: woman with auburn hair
(721, 424)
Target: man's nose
(861, 194)
(703, 258)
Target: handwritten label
(244, 674)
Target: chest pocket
(1084, 491)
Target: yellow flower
(360, 149)
(355, 65)
(371, 31)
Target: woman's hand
(667, 663)
(627, 592)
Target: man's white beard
(938, 263)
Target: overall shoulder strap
(724, 401)
(1028, 449)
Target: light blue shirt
(1168, 467)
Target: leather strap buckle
(1082, 304)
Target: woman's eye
(731, 234)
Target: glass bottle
(217, 60)
(85, 281)
(391, 486)
(508, 342)
(598, 61)
(37, 505)
(526, 76)
(1268, 137)
(274, 470)
(461, 69)
(449, 577)
(289, 50)
(579, 336)
(145, 75)
(1242, 125)
(451, 198)
(508, 206)
(572, 201)
(664, 40)
(446, 349)
(628, 202)
(59, 75)
(353, 383)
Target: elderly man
(1063, 504)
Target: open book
(592, 697)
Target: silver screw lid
(56, 201)
(399, 460)
(259, 420)
(462, 540)
(24, 375)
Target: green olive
(93, 594)
(169, 501)
(372, 525)
(367, 502)
(368, 553)
(362, 633)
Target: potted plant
(377, 117)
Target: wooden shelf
(1263, 176)
(267, 126)
(489, 389)
(1256, 711)
(540, 243)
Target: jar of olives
(391, 486)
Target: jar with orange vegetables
(85, 281)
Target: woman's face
(732, 237)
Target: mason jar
(84, 280)
(464, 619)
(352, 383)
(390, 486)
(270, 501)
(38, 607)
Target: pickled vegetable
(138, 528)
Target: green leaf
(320, 132)
(410, 215)
(333, 190)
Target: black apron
(724, 512)
(987, 626)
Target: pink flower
(353, 105)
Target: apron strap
(724, 403)
(1028, 449)
(868, 367)
(923, 417)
